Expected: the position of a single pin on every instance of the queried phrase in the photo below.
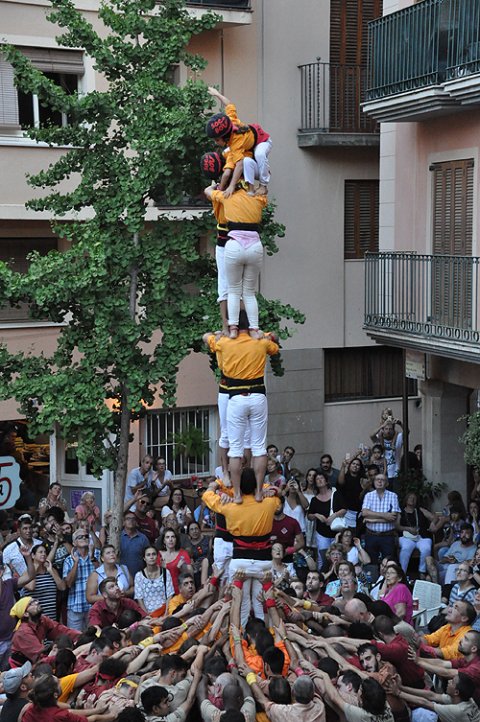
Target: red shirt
(175, 567)
(50, 714)
(396, 652)
(29, 637)
(101, 616)
(472, 670)
(285, 530)
(147, 526)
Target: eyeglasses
(81, 536)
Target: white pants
(261, 152)
(407, 547)
(242, 266)
(245, 412)
(252, 586)
(222, 285)
(224, 443)
(222, 553)
(250, 170)
(323, 543)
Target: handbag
(409, 535)
(339, 523)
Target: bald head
(355, 611)
(303, 689)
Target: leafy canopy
(133, 296)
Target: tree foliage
(133, 297)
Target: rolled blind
(8, 96)
(55, 61)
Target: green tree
(134, 296)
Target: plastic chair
(429, 597)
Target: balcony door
(452, 278)
(348, 61)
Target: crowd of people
(295, 605)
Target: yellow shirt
(242, 357)
(240, 145)
(240, 207)
(252, 518)
(447, 640)
(67, 684)
(175, 602)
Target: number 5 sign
(9, 481)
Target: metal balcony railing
(331, 96)
(423, 45)
(225, 4)
(418, 295)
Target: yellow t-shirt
(240, 207)
(240, 145)
(67, 685)
(242, 357)
(252, 518)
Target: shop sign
(9, 481)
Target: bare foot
(261, 191)
(233, 331)
(259, 495)
(238, 499)
(255, 333)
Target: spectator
(327, 506)
(351, 483)
(413, 525)
(177, 505)
(13, 558)
(153, 584)
(45, 584)
(327, 469)
(392, 441)
(380, 510)
(140, 479)
(88, 510)
(132, 544)
(174, 559)
(108, 568)
(397, 594)
(76, 569)
(161, 483)
(54, 498)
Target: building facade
(422, 288)
(300, 69)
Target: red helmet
(219, 126)
(211, 165)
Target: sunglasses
(82, 536)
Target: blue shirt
(131, 551)
(77, 594)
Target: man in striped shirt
(380, 510)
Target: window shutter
(452, 236)
(8, 96)
(349, 29)
(361, 218)
(55, 61)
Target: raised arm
(218, 96)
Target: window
(374, 372)
(361, 218)
(186, 438)
(452, 281)
(17, 109)
(14, 251)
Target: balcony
(424, 61)
(233, 12)
(331, 97)
(429, 303)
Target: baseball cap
(12, 678)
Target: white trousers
(407, 547)
(242, 266)
(261, 152)
(323, 543)
(252, 586)
(250, 170)
(223, 442)
(222, 553)
(247, 412)
(222, 284)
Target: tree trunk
(116, 523)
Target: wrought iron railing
(226, 4)
(331, 97)
(423, 45)
(420, 295)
